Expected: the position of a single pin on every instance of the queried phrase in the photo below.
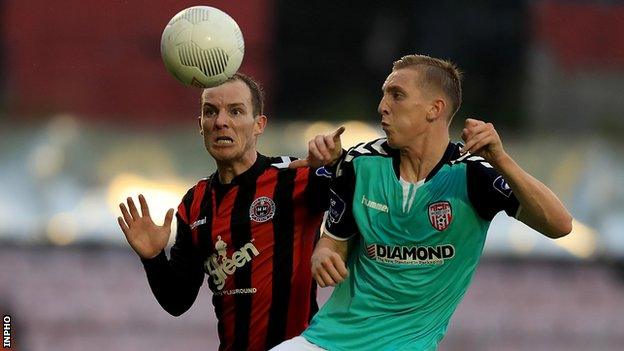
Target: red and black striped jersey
(253, 239)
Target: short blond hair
(438, 73)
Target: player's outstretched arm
(539, 206)
(328, 261)
(145, 237)
(322, 150)
(174, 282)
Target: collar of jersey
(247, 177)
(451, 153)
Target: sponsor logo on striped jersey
(220, 266)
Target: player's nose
(221, 120)
(382, 108)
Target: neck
(420, 157)
(227, 170)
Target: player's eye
(237, 112)
(209, 112)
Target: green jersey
(415, 247)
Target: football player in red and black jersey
(250, 227)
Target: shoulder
(377, 147)
(471, 161)
(277, 166)
(483, 178)
(196, 191)
(280, 162)
(481, 173)
(199, 186)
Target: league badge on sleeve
(337, 207)
(501, 185)
(440, 215)
(323, 172)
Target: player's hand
(481, 139)
(145, 237)
(322, 150)
(328, 268)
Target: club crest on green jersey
(440, 215)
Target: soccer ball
(202, 46)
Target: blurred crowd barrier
(62, 181)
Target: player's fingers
(472, 127)
(472, 122)
(325, 278)
(477, 128)
(317, 278)
(469, 147)
(322, 148)
(329, 142)
(484, 143)
(477, 144)
(464, 134)
(144, 208)
(123, 225)
(133, 210)
(340, 266)
(335, 150)
(333, 272)
(474, 136)
(469, 142)
(168, 218)
(337, 133)
(314, 153)
(125, 213)
(319, 274)
(298, 164)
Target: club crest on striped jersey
(440, 215)
(262, 209)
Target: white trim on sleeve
(326, 232)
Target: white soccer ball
(202, 46)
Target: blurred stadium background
(88, 116)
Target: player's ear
(201, 130)
(259, 124)
(436, 110)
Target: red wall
(101, 59)
(581, 36)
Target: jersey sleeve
(488, 191)
(175, 282)
(339, 222)
(317, 189)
